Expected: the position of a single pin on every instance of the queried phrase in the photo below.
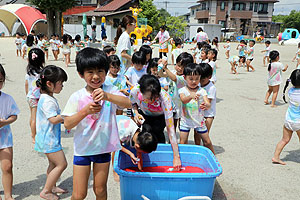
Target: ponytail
(294, 79)
(119, 33)
(273, 56)
(269, 66)
(125, 21)
(286, 85)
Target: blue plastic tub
(168, 186)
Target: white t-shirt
(48, 135)
(275, 73)
(53, 44)
(192, 116)
(176, 52)
(173, 91)
(127, 128)
(214, 68)
(201, 36)
(250, 53)
(123, 44)
(94, 136)
(8, 107)
(134, 75)
(18, 42)
(33, 90)
(211, 91)
(39, 44)
(268, 50)
(227, 46)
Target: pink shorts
(32, 102)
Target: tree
(292, 20)
(53, 10)
(176, 26)
(150, 12)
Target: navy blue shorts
(87, 160)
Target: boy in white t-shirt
(92, 110)
(18, 43)
(133, 74)
(267, 52)
(177, 51)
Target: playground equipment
(142, 29)
(290, 36)
(84, 24)
(103, 27)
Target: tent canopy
(27, 15)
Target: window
(202, 21)
(222, 5)
(203, 6)
(263, 8)
(193, 12)
(239, 6)
(251, 6)
(255, 7)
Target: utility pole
(166, 4)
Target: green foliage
(150, 12)
(289, 21)
(55, 5)
(176, 26)
(278, 18)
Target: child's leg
(268, 59)
(69, 58)
(81, 175)
(197, 138)
(172, 59)
(184, 135)
(208, 123)
(65, 56)
(269, 92)
(206, 141)
(287, 135)
(100, 172)
(47, 55)
(233, 70)
(6, 156)
(33, 123)
(264, 61)
(116, 176)
(275, 93)
(57, 164)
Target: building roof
(261, 1)
(79, 9)
(92, 13)
(112, 6)
(193, 6)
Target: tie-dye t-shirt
(234, 59)
(162, 37)
(48, 135)
(242, 49)
(293, 111)
(201, 36)
(161, 105)
(127, 128)
(275, 73)
(173, 92)
(119, 81)
(250, 53)
(94, 136)
(214, 68)
(192, 116)
(33, 90)
(8, 107)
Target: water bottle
(96, 116)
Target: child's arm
(121, 101)
(262, 51)
(166, 88)
(140, 162)
(206, 104)
(125, 91)
(294, 58)
(286, 67)
(124, 54)
(128, 82)
(138, 118)
(26, 87)
(56, 120)
(170, 74)
(9, 120)
(186, 99)
(130, 154)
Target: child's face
(154, 71)
(94, 78)
(267, 45)
(148, 57)
(2, 80)
(204, 81)
(18, 36)
(111, 53)
(147, 97)
(114, 70)
(227, 41)
(56, 37)
(138, 67)
(203, 55)
(192, 81)
(210, 55)
(57, 88)
(251, 44)
(179, 69)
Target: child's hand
(195, 96)
(134, 159)
(125, 92)
(98, 95)
(203, 106)
(93, 108)
(2, 122)
(139, 119)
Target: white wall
(212, 30)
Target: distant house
(246, 16)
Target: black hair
(40, 36)
(32, 31)
(152, 63)
(36, 61)
(267, 42)
(295, 79)
(53, 74)
(65, 38)
(77, 38)
(107, 49)
(184, 58)
(144, 39)
(149, 36)
(206, 46)
(216, 41)
(146, 49)
(87, 37)
(104, 37)
(299, 45)
(114, 60)
(17, 33)
(125, 21)
(191, 69)
(163, 27)
(205, 50)
(273, 55)
(252, 41)
(244, 59)
(228, 40)
(214, 51)
(146, 139)
(150, 83)
(199, 45)
(91, 58)
(243, 41)
(199, 29)
(177, 42)
(205, 70)
(2, 72)
(29, 40)
(139, 57)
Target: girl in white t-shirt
(297, 56)
(28, 45)
(36, 61)
(275, 69)
(122, 41)
(8, 114)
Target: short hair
(267, 42)
(91, 58)
(252, 41)
(178, 42)
(152, 63)
(107, 49)
(191, 69)
(77, 38)
(150, 83)
(184, 59)
(139, 57)
(214, 51)
(146, 139)
(104, 37)
(228, 40)
(146, 49)
(114, 60)
(205, 70)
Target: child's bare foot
(116, 177)
(278, 161)
(266, 102)
(59, 190)
(33, 140)
(273, 106)
(8, 198)
(49, 196)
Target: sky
(176, 7)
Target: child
(178, 50)
(267, 52)
(203, 56)
(87, 42)
(194, 101)
(134, 73)
(215, 44)
(109, 50)
(197, 53)
(235, 62)
(153, 70)
(275, 69)
(8, 114)
(249, 54)
(145, 41)
(66, 46)
(104, 41)
(48, 122)
(18, 43)
(28, 45)
(54, 47)
(78, 44)
(212, 57)
(242, 47)
(92, 110)
(147, 50)
(57, 43)
(292, 117)
(163, 37)
(297, 56)
(39, 41)
(155, 110)
(36, 61)
(227, 47)
(45, 45)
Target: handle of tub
(195, 198)
(144, 198)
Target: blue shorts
(87, 160)
(200, 130)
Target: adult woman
(201, 35)
(163, 37)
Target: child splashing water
(8, 114)
(275, 69)
(292, 117)
(48, 123)
(36, 61)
